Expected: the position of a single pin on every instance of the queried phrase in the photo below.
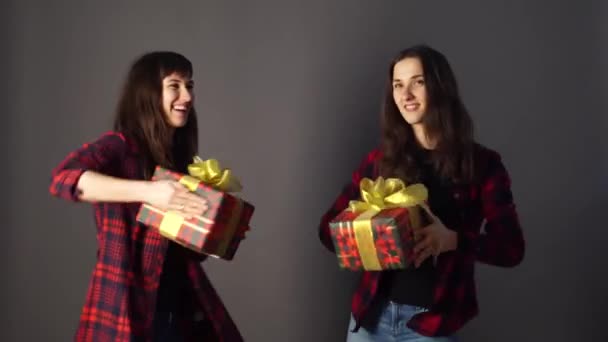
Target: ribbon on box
(210, 173)
(376, 196)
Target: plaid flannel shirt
(121, 297)
(501, 243)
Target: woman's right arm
(83, 174)
(86, 175)
(349, 192)
(97, 187)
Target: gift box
(378, 232)
(220, 229)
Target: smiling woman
(409, 91)
(178, 96)
(144, 287)
(427, 138)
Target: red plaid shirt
(121, 298)
(501, 244)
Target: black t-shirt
(414, 286)
(173, 281)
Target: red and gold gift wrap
(220, 229)
(377, 232)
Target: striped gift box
(217, 233)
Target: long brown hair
(140, 115)
(447, 122)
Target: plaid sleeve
(349, 192)
(502, 242)
(96, 156)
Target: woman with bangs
(144, 287)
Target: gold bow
(390, 193)
(376, 196)
(210, 173)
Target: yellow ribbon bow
(210, 173)
(376, 196)
(390, 193)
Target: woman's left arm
(502, 241)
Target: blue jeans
(392, 327)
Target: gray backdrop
(288, 96)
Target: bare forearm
(97, 187)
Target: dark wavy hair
(140, 115)
(446, 121)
